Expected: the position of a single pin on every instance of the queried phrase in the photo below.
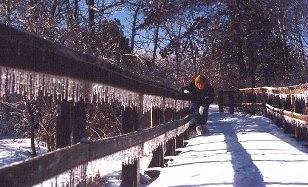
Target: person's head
(200, 82)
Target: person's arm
(187, 89)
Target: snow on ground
(241, 150)
(13, 151)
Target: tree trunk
(156, 34)
(134, 29)
(91, 24)
(193, 57)
(281, 30)
(76, 13)
(253, 79)
(8, 12)
(54, 8)
(32, 123)
(301, 45)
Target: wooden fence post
(130, 172)
(179, 140)
(292, 128)
(231, 102)
(132, 117)
(293, 103)
(79, 121)
(63, 127)
(264, 101)
(158, 153)
(220, 101)
(305, 129)
(170, 145)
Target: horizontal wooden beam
(25, 51)
(44, 167)
(292, 115)
(244, 104)
(297, 89)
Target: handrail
(44, 167)
(261, 92)
(21, 50)
(278, 90)
(284, 113)
(292, 98)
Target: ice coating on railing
(298, 96)
(32, 84)
(296, 122)
(152, 144)
(96, 167)
(72, 177)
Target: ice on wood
(32, 84)
(98, 167)
(151, 145)
(293, 121)
(298, 96)
(73, 177)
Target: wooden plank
(288, 113)
(25, 51)
(245, 104)
(41, 168)
(297, 89)
(115, 144)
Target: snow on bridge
(241, 150)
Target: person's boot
(199, 130)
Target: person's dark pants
(200, 119)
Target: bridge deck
(240, 150)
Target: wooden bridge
(31, 66)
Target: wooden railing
(288, 106)
(23, 51)
(39, 169)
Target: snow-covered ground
(241, 150)
(13, 151)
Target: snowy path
(240, 151)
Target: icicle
(73, 177)
(98, 167)
(182, 129)
(170, 134)
(30, 84)
(296, 122)
(150, 145)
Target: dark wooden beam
(26, 51)
(44, 167)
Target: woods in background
(258, 42)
